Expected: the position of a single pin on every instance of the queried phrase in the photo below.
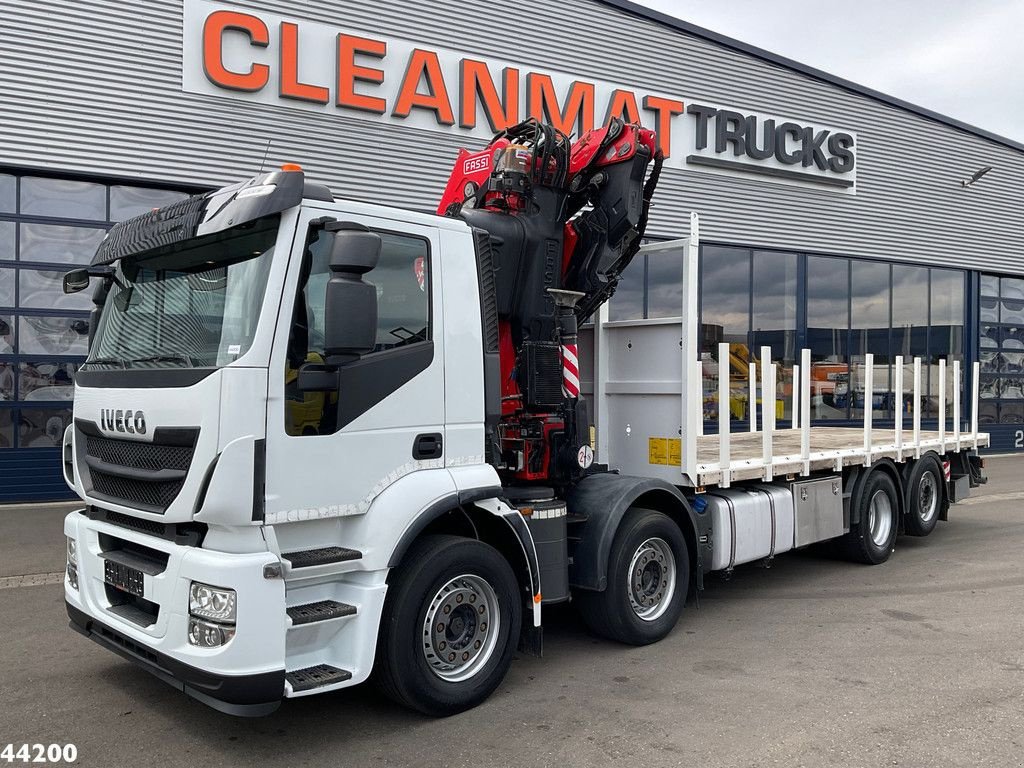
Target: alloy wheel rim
(651, 579)
(880, 518)
(461, 627)
(928, 497)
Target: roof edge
(650, 14)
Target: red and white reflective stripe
(945, 470)
(570, 371)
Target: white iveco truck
(318, 440)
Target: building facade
(833, 217)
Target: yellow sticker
(667, 451)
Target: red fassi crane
(558, 222)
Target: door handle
(428, 446)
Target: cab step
(316, 677)
(307, 558)
(319, 611)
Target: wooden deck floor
(832, 448)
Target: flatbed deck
(832, 448)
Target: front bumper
(245, 695)
(245, 676)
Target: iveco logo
(132, 422)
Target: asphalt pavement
(813, 662)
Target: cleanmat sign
(254, 55)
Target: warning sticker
(664, 450)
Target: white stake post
(724, 414)
(805, 411)
(942, 405)
(869, 397)
(795, 386)
(975, 383)
(956, 403)
(898, 426)
(767, 410)
(752, 397)
(916, 408)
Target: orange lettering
(665, 109)
(219, 22)
(623, 104)
(424, 65)
(579, 104)
(291, 87)
(476, 80)
(349, 73)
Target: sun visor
(201, 215)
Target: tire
(872, 540)
(924, 504)
(635, 608)
(442, 576)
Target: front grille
(126, 521)
(146, 476)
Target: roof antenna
(266, 153)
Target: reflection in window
(947, 337)
(7, 233)
(63, 199)
(56, 244)
(773, 323)
(828, 323)
(627, 303)
(42, 427)
(6, 428)
(126, 202)
(870, 294)
(39, 381)
(53, 335)
(6, 334)
(1001, 350)
(664, 284)
(725, 318)
(909, 325)
(8, 194)
(6, 287)
(43, 289)
(6, 381)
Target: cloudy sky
(962, 58)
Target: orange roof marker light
(291, 167)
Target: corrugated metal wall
(95, 86)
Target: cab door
(331, 453)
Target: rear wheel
(925, 500)
(450, 626)
(648, 580)
(877, 505)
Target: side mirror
(76, 280)
(350, 311)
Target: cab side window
(402, 279)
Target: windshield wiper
(107, 361)
(181, 358)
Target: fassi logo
(130, 422)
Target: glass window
(828, 323)
(725, 318)
(46, 381)
(7, 288)
(42, 427)
(8, 194)
(53, 335)
(947, 336)
(909, 324)
(7, 240)
(43, 289)
(63, 199)
(870, 298)
(64, 245)
(6, 381)
(6, 334)
(773, 321)
(989, 285)
(126, 202)
(6, 428)
(627, 303)
(664, 284)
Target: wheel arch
(888, 466)
(604, 499)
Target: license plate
(123, 577)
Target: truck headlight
(72, 551)
(214, 603)
(206, 634)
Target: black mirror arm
(317, 377)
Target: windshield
(191, 305)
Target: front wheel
(648, 581)
(450, 626)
